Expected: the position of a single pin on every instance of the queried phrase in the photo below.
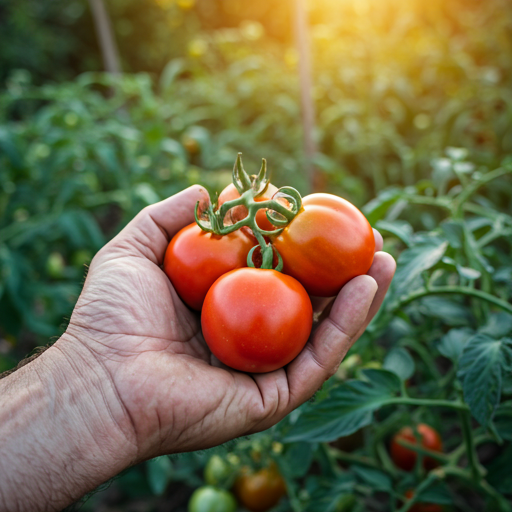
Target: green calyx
(280, 211)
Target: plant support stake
(105, 36)
(306, 88)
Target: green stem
(441, 457)
(353, 458)
(462, 290)
(474, 464)
(428, 403)
(468, 191)
(432, 477)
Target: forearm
(62, 430)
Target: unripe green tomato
(217, 471)
(55, 265)
(211, 499)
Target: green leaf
(400, 362)
(436, 493)
(412, 262)
(377, 208)
(503, 420)
(400, 228)
(159, 473)
(453, 342)
(450, 311)
(327, 493)
(498, 325)
(348, 407)
(481, 365)
(376, 479)
(297, 459)
(174, 148)
(146, 192)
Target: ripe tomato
(259, 491)
(240, 212)
(256, 320)
(422, 507)
(405, 458)
(195, 260)
(326, 244)
(211, 499)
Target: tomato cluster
(256, 490)
(259, 319)
(404, 457)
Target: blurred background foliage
(81, 152)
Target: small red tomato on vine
(256, 320)
(261, 490)
(405, 458)
(328, 243)
(194, 260)
(422, 507)
(240, 212)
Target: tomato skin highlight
(326, 245)
(240, 212)
(256, 320)
(194, 260)
(259, 491)
(405, 458)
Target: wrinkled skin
(174, 396)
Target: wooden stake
(106, 37)
(306, 90)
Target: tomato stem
(211, 220)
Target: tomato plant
(404, 457)
(194, 260)
(261, 490)
(256, 320)
(326, 244)
(211, 499)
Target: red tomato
(405, 458)
(422, 507)
(256, 320)
(240, 212)
(259, 491)
(195, 260)
(327, 244)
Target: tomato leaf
(348, 407)
(296, 460)
(436, 493)
(326, 494)
(159, 472)
(376, 479)
(450, 311)
(400, 228)
(412, 262)
(481, 365)
(377, 208)
(503, 420)
(453, 342)
(400, 362)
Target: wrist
(63, 430)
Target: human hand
(142, 379)
(175, 396)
